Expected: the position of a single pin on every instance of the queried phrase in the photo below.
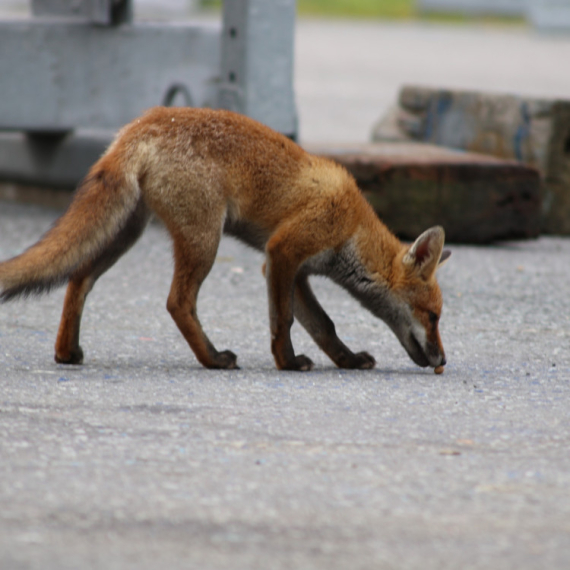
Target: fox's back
(188, 156)
(245, 149)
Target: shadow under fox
(204, 172)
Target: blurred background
(353, 56)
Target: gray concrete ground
(143, 459)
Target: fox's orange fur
(203, 172)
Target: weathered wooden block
(412, 186)
(534, 131)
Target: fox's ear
(427, 252)
(444, 258)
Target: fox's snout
(425, 353)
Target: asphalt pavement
(142, 459)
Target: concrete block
(533, 131)
(412, 186)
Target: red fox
(204, 172)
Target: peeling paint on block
(533, 131)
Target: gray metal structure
(75, 72)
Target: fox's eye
(433, 318)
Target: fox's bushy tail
(102, 206)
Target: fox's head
(416, 300)
(397, 283)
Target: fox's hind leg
(193, 259)
(67, 348)
(319, 325)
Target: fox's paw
(226, 360)
(301, 363)
(364, 361)
(74, 356)
(360, 360)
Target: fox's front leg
(319, 325)
(280, 269)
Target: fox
(206, 172)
